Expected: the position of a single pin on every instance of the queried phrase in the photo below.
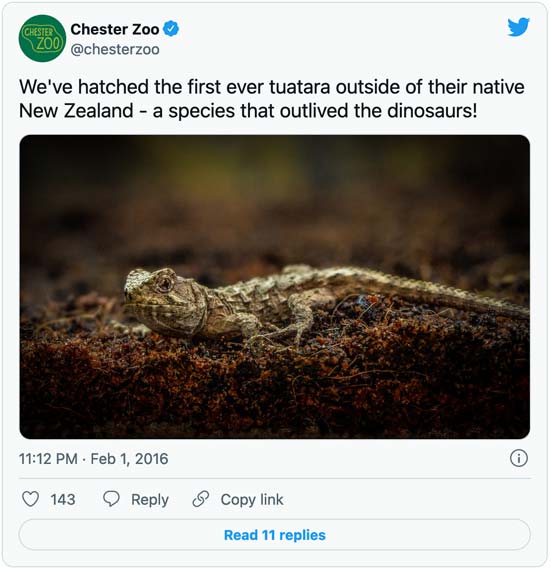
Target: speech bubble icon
(111, 497)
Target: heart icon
(30, 498)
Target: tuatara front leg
(301, 309)
(247, 325)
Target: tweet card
(275, 284)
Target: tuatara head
(165, 302)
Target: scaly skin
(176, 306)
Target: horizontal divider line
(272, 478)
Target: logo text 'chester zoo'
(42, 38)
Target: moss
(382, 369)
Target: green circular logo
(42, 38)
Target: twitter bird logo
(518, 28)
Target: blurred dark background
(453, 209)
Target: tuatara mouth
(168, 319)
(149, 305)
(145, 309)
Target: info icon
(519, 457)
(42, 38)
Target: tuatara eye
(164, 284)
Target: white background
(346, 41)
